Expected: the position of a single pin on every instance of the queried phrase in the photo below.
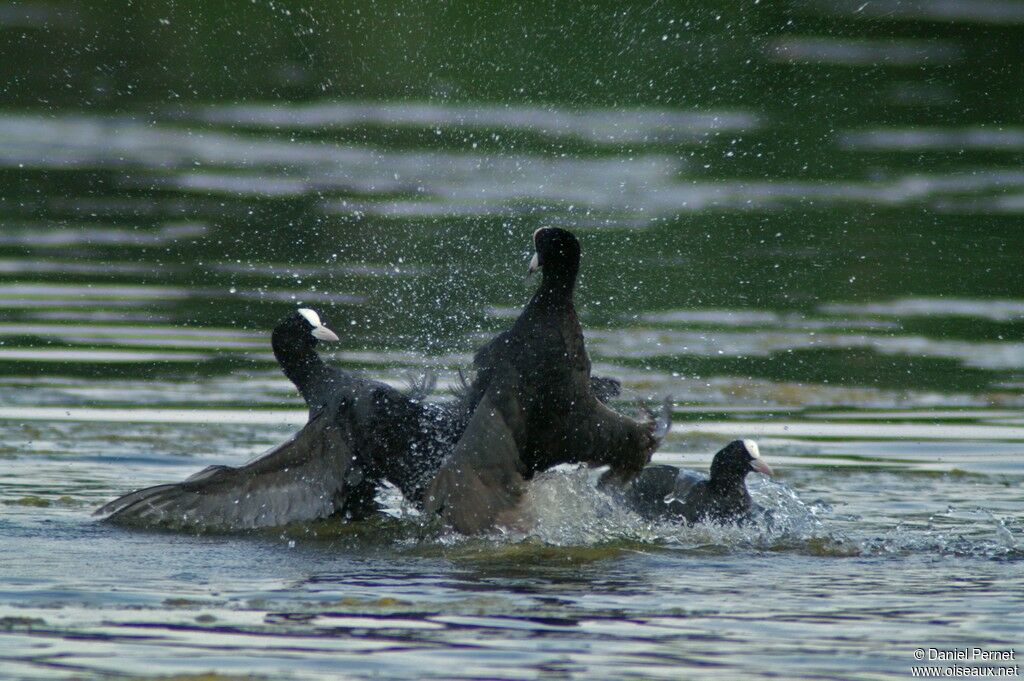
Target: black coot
(534, 405)
(399, 436)
(378, 432)
(667, 492)
(294, 341)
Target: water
(801, 220)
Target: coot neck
(300, 363)
(557, 287)
(727, 484)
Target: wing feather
(302, 479)
(481, 482)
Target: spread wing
(481, 482)
(302, 479)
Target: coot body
(534, 405)
(666, 492)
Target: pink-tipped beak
(534, 264)
(761, 467)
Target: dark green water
(803, 220)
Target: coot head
(557, 253)
(302, 328)
(736, 459)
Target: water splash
(564, 509)
(964, 532)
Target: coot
(533, 405)
(667, 492)
(360, 432)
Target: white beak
(323, 333)
(534, 264)
(761, 467)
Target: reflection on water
(989, 139)
(799, 219)
(960, 11)
(993, 310)
(611, 126)
(46, 236)
(864, 52)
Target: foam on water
(566, 508)
(563, 507)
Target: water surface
(802, 221)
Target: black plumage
(667, 492)
(399, 436)
(534, 405)
(360, 432)
(305, 478)
(294, 342)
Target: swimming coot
(667, 492)
(533, 405)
